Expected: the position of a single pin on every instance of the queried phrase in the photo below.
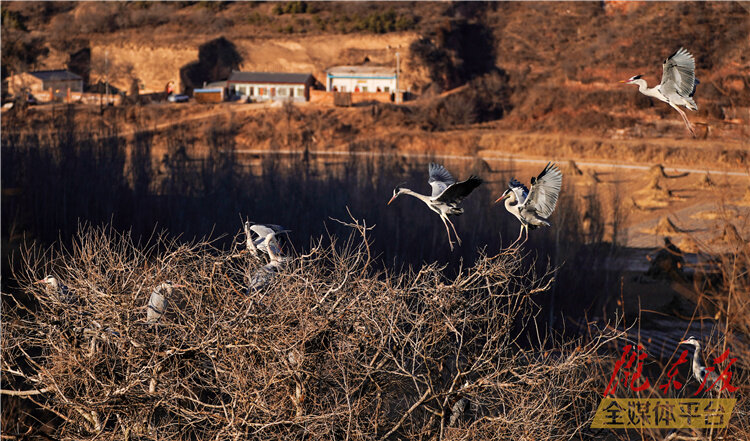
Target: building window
(283, 91)
(300, 91)
(273, 91)
(364, 88)
(343, 88)
(387, 89)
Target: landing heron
(446, 195)
(533, 207)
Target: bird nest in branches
(330, 348)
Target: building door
(273, 92)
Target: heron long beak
(39, 281)
(394, 197)
(683, 342)
(501, 198)
(178, 286)
(623, 81)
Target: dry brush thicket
(332, 348)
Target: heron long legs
(520, 233)
(447, 230)
(684, 118)
(458, 239)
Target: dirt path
(213, 113)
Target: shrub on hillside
(458, 51)
(485, 98)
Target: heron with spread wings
(446, 195)
(261, 244)
(677, 84)
(533, 207)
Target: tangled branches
(329, 349)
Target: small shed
(361, 79)
(58, 82)
(271, 86)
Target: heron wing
(269, 244)
(678, 74)
(264, 230)
(261, 230)
(440, 179)
(455, 193)
(544, 191)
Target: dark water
(54, 183)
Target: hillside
(562, 60)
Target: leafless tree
(332, 348)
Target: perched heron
(264, 275)
(57, 289)
(700, 372)
(533, 207)
(446, 195)
(157, 303)
(677, 84)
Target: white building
(361, 79)
(271, 86)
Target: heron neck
(163, 287)
(271, 245)
(421, 197)
(696, 359)
(249, 241)
(648, 91)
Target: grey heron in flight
(700, 372)
(677, 84)
(157, 303)
(533, 207)
(446, 195)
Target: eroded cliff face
(154, 66)
(159, 62)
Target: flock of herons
(531, 206)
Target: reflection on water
(53, 183)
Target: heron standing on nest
(157, 303)
(264, 275)
(54, 287)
